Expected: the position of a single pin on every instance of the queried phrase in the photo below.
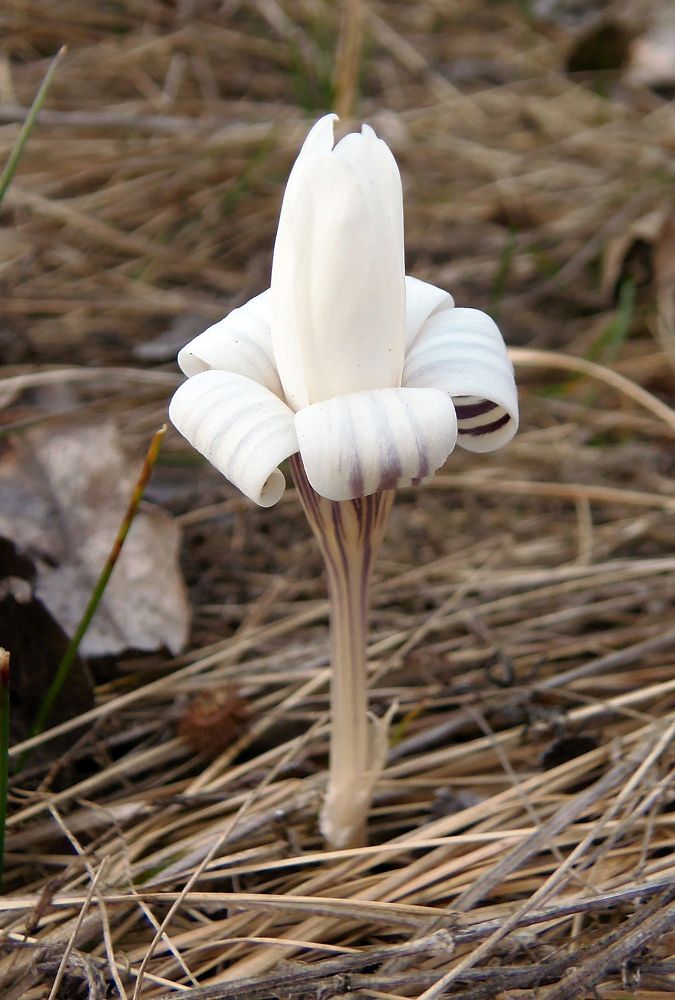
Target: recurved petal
(363, 442)
(421, 301)
(461, 352)
(243, 429)
(241, 343)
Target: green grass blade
(68, 658)
(4, 752)
(27, 127)
(503, 271)
(608, 343)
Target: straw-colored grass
(522, 836)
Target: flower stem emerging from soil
(349, 533)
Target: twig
(654, 920)
(538, 840)
(210, 125)
(559, 491)
(4, 752)
(338, 976)
(439, 943)
(565, 908)
(491, 981)
(528, 358)
(296, 975)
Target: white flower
(371, 375)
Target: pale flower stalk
(366, 379)
(349, 533)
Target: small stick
(293, 979)
(438, 943)
(538, 840)
(4, 751)
(348, 57)
(653, 921)
(526, 357)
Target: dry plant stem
(349, 533)
(348, 57)
(4, 752)
(651, 923)
(526, 357)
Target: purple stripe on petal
(390, 478)
(465, 411)
(486, 428)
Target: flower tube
(366, 379)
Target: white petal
(319, 140)
(373, 163)
(461, 351)
(338, 291)
(421, 301)
(364, 442)
(240, 427)
(240, 343)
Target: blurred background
(532, 136)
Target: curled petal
(241, 343)
(243, 429)
(422, 300)
(461, 351)
(364, 442)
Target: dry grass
(523, 831)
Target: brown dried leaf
(63, 492)
(633, 253)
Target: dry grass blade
(522, 834)
(54, 992)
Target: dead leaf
(631, 255)
(36, 644)
(645, 254)
(63, 492)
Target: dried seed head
(214, 720)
